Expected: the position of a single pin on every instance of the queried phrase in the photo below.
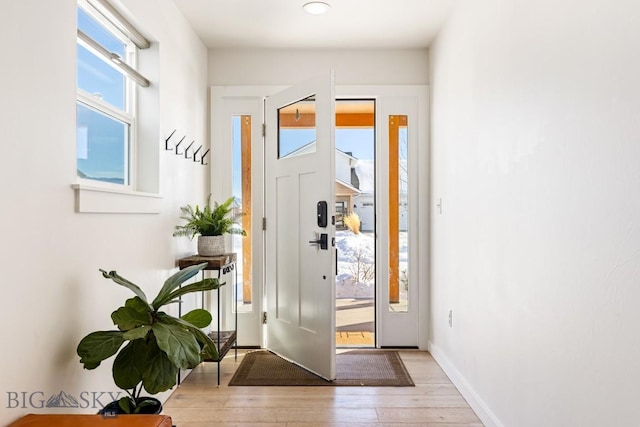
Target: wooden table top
(213, 262)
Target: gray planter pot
(211, 245)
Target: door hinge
(264, 317)
(264, 130)
(264, 224)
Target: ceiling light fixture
(316, 7)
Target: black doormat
(372, 368)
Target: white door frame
(223, 108)
(420, 187)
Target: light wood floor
(433, 402)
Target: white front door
(300, 270)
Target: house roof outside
(349, 189)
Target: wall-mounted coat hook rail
(196, 152)
(178, 144)
(186, 150)
(166, 141)
(203, 156)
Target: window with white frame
(107, 82)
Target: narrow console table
(82, 420)
(223, 264)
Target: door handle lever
(323, 241)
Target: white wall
(52, 292)
(285, 67)
(536, 154)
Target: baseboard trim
(483, 412)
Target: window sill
(91, 199)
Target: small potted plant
(210, 224)
(151, 345)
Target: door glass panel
(241, 135)
(398, 214)
(355, 225)
(297, 128)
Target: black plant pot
(114, 409)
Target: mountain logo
(62, 400)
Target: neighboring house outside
(364, 203)
(355, 188)
(346, 187)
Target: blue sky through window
(101, 146)
(102, 141)
(100, 79)
(98, 33)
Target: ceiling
(349, 24)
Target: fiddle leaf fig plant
(151, 345)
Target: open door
(299, 205)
